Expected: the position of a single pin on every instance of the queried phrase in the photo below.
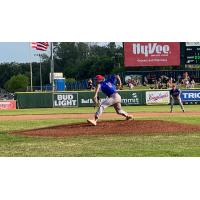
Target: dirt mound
(118, 127)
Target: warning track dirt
(90, 115)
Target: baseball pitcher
(175, 96)
(113, 98)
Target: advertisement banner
(65, 99)
(86, 98)
(132, 97)
(157, 97)
(151, 54)
(8, 105)
(128, 98)
(190, 95)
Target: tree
(83, 60)
(79, 60)
(17, 83)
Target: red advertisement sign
(151, 54)
(8, 105)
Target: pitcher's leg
(118, 109)
(107, 102)
(99, 111)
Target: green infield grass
(127, 145)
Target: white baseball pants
(115, 101)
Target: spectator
(192, 83)
(169, 83)
(90, 84)
(130, 84)
(187, 84)
(179, 78)
(160, 84)
(155, 84)
(186, 77)
(145, 81)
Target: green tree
(17, 83)
(81, 60)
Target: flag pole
(52, 68)
(52, 73)
(40, 73)
(31, 71)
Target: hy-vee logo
(150, 48)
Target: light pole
(118, 55)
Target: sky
(17, 52)
(20, 52)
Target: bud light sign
(190, 95)
(65, 99)
(151, 54)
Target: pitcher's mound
(136, 127)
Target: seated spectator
(133, 81)
(177, 82)
(164, 79)
(160, 85)
(155, 84)
(192, 83)
(130, 84)
(145, 81)
(186, 76)
(90, 84)
(187, 84)
(179, 78)
(169, 84)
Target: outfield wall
(34, 100)
(84, 99)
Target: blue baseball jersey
(175, 93)
(108, 86)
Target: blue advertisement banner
(190, 95)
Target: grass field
(163, 108)
(129, 145)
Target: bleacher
(5, 95)
(194, 74)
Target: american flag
(42, 46)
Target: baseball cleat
(183, 110)
(92, 121)
(129, 117)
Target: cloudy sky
(20, 52)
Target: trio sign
(190, 95)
